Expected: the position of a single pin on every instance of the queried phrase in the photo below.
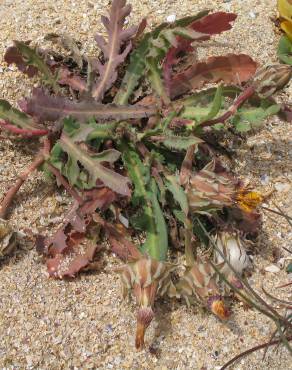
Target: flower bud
(271, 78)
(198, 285)
(233, 249)
(146, 278)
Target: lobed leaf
(29, 61)
(137, 66)
(248, 118)
(117, 37)
(231, 69)
(93, 166)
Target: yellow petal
(248, 201)
(287, 28)
(285, 9)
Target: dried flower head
(233, 249)
(147, 278)
(271, 78)
(213, 188)
(198, 285)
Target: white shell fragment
(272, 268)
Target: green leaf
(289, 268)
(154, 75)
(92, 164)
(248, 118)
(137, 171)
(134, 71)
(172, 184)
(16, 117)
(137, 66)
(145, 194)
(156, 244)
(180, 142)
(216, 105)
(32, 57)
(285, 50)
(179, 215)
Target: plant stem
(23, 176)
(246, 94)
(190, 255)
(65, 183)
(21, 131)
(253, 349)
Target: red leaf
(215, 23)
(13, 56)
(231, 69)
(98, 199)
(81, 261)
(209, 25)
(66, 77)
(119, 240)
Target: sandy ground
(84, 324)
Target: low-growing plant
(133, 136)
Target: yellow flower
(248, 201)
(285, 10)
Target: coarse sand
(85, 324)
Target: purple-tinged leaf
(13, 56)
(117, 37)
(53, 108)
(18, 122)
(66, 77)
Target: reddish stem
(65, 183)
(251, 350)
(246, 94)
(22, 177)
(22, 131)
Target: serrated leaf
(137, 66)
(92, 164)
(15, 117)
(205, 113)
(172, 184)
(181, 142)
(285, 50)
(251, 118)
(31, 57)
(80, 132)
(45, 107)
(138, 172)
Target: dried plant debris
(10, 239)
(127, 134)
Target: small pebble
(171, 18)
(272, 268)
